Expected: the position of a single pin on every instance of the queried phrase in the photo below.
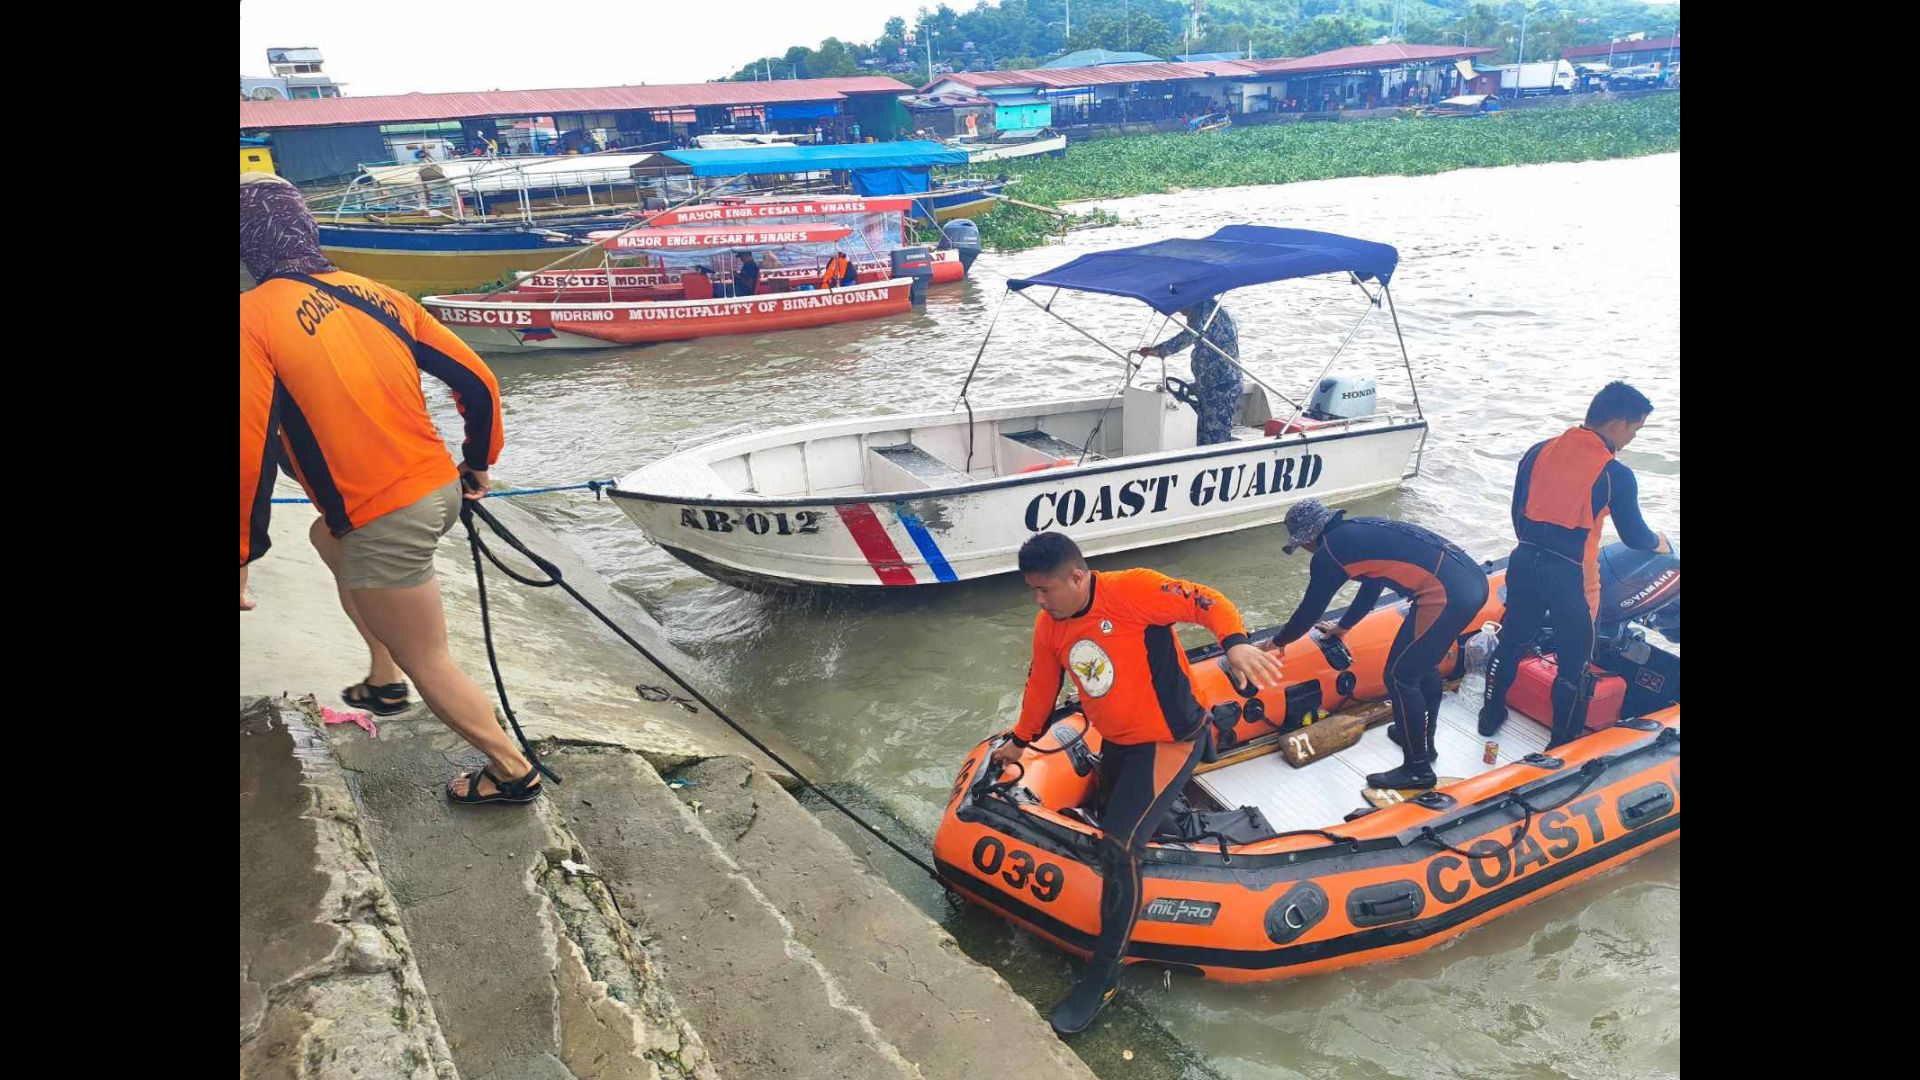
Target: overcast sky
(400, 46)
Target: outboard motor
(915, 263)
(1341, 397)
(963, 235)
(1638, 587)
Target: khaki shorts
(395, 550)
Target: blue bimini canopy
(1169, 275)
(766, 160)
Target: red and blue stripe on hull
(870, 534)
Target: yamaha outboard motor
(1638, 587)
(915, 263)
(963, 235)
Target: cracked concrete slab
(328, 984)
(949, 1015)
(765, 1006)
(523, 990)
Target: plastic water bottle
(1473, 684)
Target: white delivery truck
(1539, 77)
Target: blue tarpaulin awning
(765, 160)
(1169, 275)
(889, 181)
(802, 110)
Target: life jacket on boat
(1057, 463)
(1559, 478)
(836, 270)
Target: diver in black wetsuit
(1444, 585)
(1564, 491)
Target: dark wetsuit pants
(1545, 588)
(1138, 783)
(1413, 663)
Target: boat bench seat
(919, 465)
(1048, 445)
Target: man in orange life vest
(1566, 487)
(839, 272)
(1114, 632)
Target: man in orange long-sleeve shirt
(1114, 633)
(330, 367)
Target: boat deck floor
(1322, 793)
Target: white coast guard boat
(904, 500)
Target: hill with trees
(1015, 34)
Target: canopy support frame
(1413, 384)
(1374, 302)
(602, 244)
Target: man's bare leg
(414, 622)
(381, 669)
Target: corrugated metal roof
(950, 99)
(1063, 78)
(1101, 57)
(1336, 60)
(402, 108)
(1363, 56)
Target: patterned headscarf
(277, 232)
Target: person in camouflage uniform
(1216, 380)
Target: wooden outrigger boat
(441, 258)
(450, 257)
(698, 302)
(1012, 144)
(464, 190)
(881, 224)
(880, 229)
(868, 169)
(933, 498)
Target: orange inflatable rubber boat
(1279, 863)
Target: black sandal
(378, 700)
(523, 790)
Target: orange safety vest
(1128, 667)
(836, 269)
(1561, 493)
